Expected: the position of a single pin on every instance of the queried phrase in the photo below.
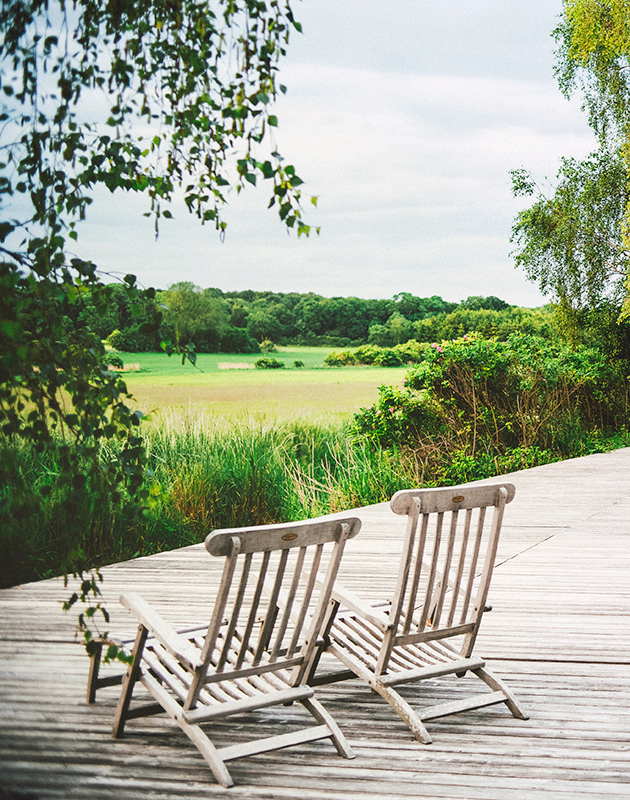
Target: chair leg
(324, 718)
(209, 752)
(498, 685)
(95, 663)
(329, 618)
(405, 712)
(129, 681)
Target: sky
(404, 119)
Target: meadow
(228, 385)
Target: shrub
(298, 364)
(344, 359)
(266, 362)
(130, 340)
(267, 346)
(397, 417)
(388, 357)
(411, 352)
(367, 354)
(489, 396)
(115, 361)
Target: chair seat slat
(432, 671)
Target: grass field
(228, 384)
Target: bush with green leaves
(345, 358)
(366, 354)
(398, 417)
(266, 362)
(131, 340)
(410, 352)
(476, 395)
(388, 357)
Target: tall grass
(207, 473)
(255, 471)
(204, 474)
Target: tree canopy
(571, 243)
(161, 98)
(593, 52)
(575, 241)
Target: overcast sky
(404, 118)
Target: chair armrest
(353, 602)
(177, 645)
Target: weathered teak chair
(429, 627)
(260, 644)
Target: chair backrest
(272, 598)
(446, 566)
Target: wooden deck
(559, 632)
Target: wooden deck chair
(428, 628)
(260, 644)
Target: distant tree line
(238, 322)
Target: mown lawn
(228, 385)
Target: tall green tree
(575, 241)
(594, 58)
(139, 96)
(571, 242)
(192, 316)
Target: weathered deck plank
(559, 632)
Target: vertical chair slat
(253, 612)
(306, 600)
(461, 563)
(419, 565)
(473, 565)
(446, 570)
(272, 610)
(238, 602)
(427, 606)
(290, 599)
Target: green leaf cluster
(575, 241)
(476, 395)
(267, 362)
(146, 97)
